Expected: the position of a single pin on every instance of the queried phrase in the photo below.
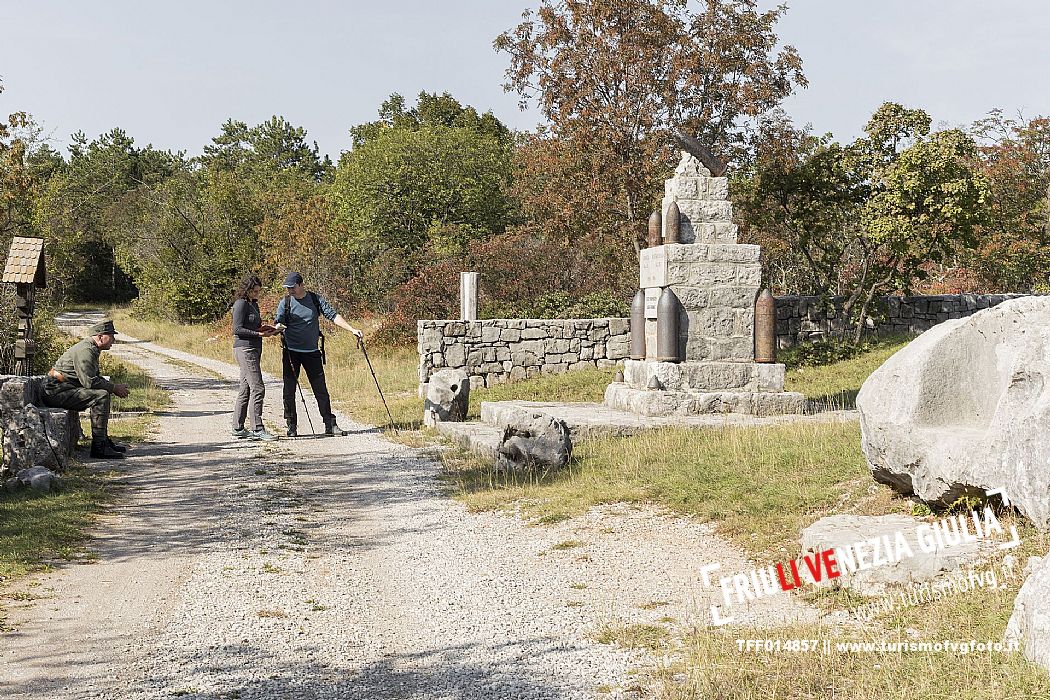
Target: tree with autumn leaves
(614, 79)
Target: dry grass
(715, 667)
(761, 485)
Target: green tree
(273, 146)
(868, 218)
(433, 177)
(86, 209)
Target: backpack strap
(320, 333)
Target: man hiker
(74, 383)
(300, 311)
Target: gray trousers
(252, 390)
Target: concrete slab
(591, 420)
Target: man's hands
(121, 390)
(266, 330)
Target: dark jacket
(246, 322)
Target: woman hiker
(248, 332)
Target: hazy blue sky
(171, 73)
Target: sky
(171, 73)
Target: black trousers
(311, 362)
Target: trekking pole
(305, 409)
(361, 344)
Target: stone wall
(500, 350)
(803, 318)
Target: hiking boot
(115, 447)
(239, 433)
(100, 449)
(334, 430)
(262, 434)
(292, 432)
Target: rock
(448, 393)
(1029, 624)
(31, 434)
(963, 409)
(39, 478)
(533, 440)
(841, 531)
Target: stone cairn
(698, 287)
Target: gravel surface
(336, 568)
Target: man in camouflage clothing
(74, 383)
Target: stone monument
(699, 288)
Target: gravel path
(336, 568)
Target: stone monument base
(693, 388)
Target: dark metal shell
(765, 328)
(672, 233)
(638, 326)
(655, 224)
(667, 312)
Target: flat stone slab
(475, 437)
(656, 403)
(595, 419)
(887, 562)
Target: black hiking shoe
(334, 430)
(100, 449)
(292, 432)
(116, 447)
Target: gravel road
(337, 568)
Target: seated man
(74, 383)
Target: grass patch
(567, 544)
(761, 485)
(635, 636)
(586, 385)
(835, 385)
(35, 528)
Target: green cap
(102, 327)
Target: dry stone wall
(804, 318)
(496, 351)
(500, 350)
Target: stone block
(692, 232)
(510, 335)
(619, 326)
(699, 211)
(489, 334)
(447, 397)
(455, 329)
(618, 347)
(732, 297)
(532, 333)
(702, 274)
(456, 355)
(556, 346)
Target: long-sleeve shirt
(303, 320)
(79, 364)
(246, 322)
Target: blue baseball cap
(293, 279)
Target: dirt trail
(336, 568)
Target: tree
(86, 211)
(616, 77)
(273, 146)
(868, 218)
(800, 200)
(414, 179)
(1014, 250)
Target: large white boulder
(1029, 624)
(447, 397)
(965, 408)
